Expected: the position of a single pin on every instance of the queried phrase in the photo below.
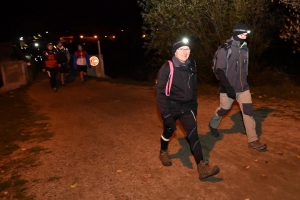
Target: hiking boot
(213, 131)
(205, 171)
(164, 158)
(257, 145)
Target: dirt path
(106, 146)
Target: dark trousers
(189, 123)
(52, 76)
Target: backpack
(227, 47)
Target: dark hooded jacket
(236, 71)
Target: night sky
(87, 16)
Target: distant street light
(36, 44)
(144, 36)
(46, 31)
(114, 36)
(81, 36)
(95, 36)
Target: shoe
(164, 158)
(54, 89)
(213, 131)
(205, 171)
(257, 145)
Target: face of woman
(183, 53)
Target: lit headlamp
(185, 40)
(242, 30)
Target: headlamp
(242, 30)
(185, 40)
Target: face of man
(50, 47)
(243, 36)
(80, 48)
(183, 53)
(59, 44)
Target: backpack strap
(227, 47)
(228, 53)
(170, 79)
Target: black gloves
(169, 122)
(225, 83)
(230, 92)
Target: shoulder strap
(170, 79)
(228, 54)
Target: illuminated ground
(106, 143)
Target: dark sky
(86, 16)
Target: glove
(169, 122)
(230, 92)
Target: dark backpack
(227, 47)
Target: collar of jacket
(177, 63)
(238, 44)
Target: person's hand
(230, 92)
(169, 122)
(44, 70)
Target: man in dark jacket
(63, 56)
(232, 73)
(177, 99)
(50, 65)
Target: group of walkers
(58, 59)
(176, 96)
(176, 91)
